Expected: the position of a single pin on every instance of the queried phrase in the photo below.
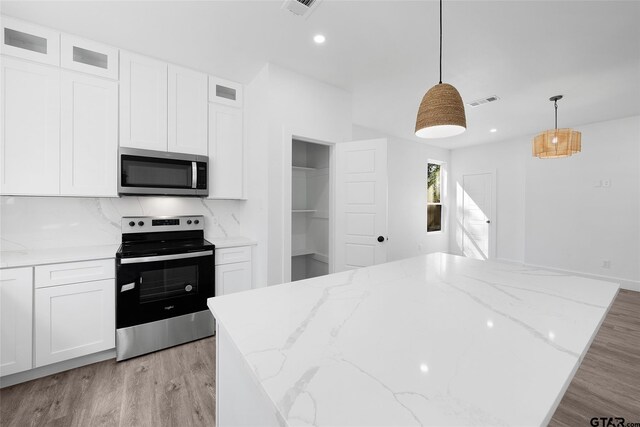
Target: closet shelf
(303, 210)
(302, 252)
(303, 168)
(307, 251)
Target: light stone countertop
(26, 258)
(432, 340)
(31, 257)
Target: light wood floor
(176, 387)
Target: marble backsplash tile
(51, 222)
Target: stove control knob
(189, 221)
(196, 222)
(140, 223)
(131, 223)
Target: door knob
(380, 239)
(488, 222)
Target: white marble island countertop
(433, 340)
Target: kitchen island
(432, 340)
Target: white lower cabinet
(231, 278)
(16, 313)
(233, 270)
(74, 319)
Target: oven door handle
(156, 258)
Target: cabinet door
(88, 56)
(16, 309)
(226, 152)
(232, 278)
(30, 115)
(89, 136)
(28, 41)
(143, 102)
(187, 111)
(74, 320)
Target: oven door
(162, 173)
(163, 286)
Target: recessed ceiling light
(319, 38)
(493, 130)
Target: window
(434, 200)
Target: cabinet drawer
(88, 57)
(225, 92)
(74, 272)
(231, 255)
(30, 41)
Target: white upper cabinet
(30, 115)
(29, 41)
(187, 111)
(88, 56)
(225, 92)
(143, 102)
(89, 136)
(16, 314)
(226, 152)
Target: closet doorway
(311, 207)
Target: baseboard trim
(55, 368)
(631, 285)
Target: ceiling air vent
(300, 7)
(482, 101)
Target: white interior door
(477, 211)
(361, 204)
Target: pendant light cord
(440, 41)
(555, 104)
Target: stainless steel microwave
(148, 172)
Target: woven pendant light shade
(556, 143)
(441, 113)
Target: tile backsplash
(49, 222)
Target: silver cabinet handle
(165, 257)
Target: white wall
(555, 212)
(307, 108)
(407, 201)
(573, 222)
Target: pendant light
(556, 142)
(441, 112)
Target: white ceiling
(385, 52)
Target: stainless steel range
(165, 273)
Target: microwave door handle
(194, 175)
